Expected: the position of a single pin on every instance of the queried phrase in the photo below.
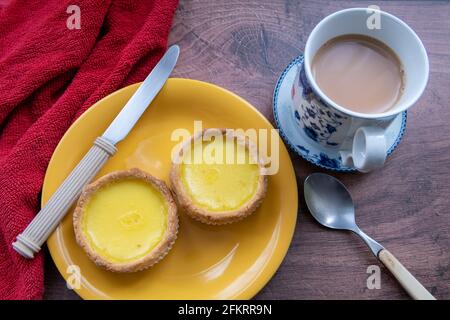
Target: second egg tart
(126, 221)
(218, 192)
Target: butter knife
(37, 232)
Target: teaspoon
(331, 205)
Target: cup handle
(368, 151)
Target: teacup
(359, 137)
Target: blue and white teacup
(359, 137)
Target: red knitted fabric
(49, 75)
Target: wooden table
(244, 46)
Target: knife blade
(37, 232)
(145, 94)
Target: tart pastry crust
(154, 255)
(204, 215)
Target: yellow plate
(207, 262)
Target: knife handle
(36, 233)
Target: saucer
(299, 142)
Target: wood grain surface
(244, 46)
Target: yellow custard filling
(125, 220)
(222, 185)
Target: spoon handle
(414, 288)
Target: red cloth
(49, 75)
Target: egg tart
(126, 221)
(217, 176)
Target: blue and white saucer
(302, 144)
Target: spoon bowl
(329, 202)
